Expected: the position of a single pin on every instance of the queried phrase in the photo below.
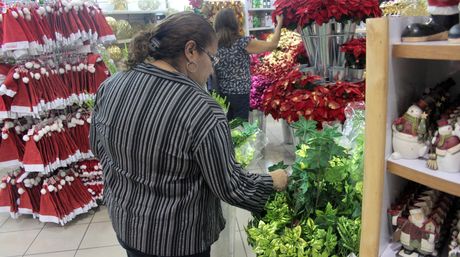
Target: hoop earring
(192, 70)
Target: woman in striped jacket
(165, 145)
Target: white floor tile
(101, 215)
(239, 249)
(55, 254)
(3, 218)
(243, 218)
(24, 222)
(111, 251)
(16, 243)
(58, 239)
(98, 235)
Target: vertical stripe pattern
(168, 160)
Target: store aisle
(92, 234)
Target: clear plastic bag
(353, 127)
(250, 149)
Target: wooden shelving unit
(415, 170)
(396, 76)
(438, 50)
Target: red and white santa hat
(9, 155)
(14, 38)
(8, 196)
(443, 7)
(32, 160)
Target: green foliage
(322, 201)
(279, 166)
(349, 231)
(222, 101)
(108, 61)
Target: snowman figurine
(408, 133)
(447, 147)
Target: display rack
(397, 73)
(249, 11)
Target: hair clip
(154, 44)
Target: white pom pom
(31, 74)
(62, 182)
(9, 124)
(48, 8)
(42, 71)
(37, 65)
(67, 178)
(29, 65)
(21, 191)
(35, 183)
(86, 174)
(36, 138)
(66, 9)
(76, 175)
(4, 136)
(26, 10)
(25, 80)
(83, 167)
(61, 71)
(37, 76)
(80, 122)
(43, 191)
(81, 66)
(20, 13)
(3, 185)
(41, 10)
(16, 75)
(41, 133)
(47, 74)
(60, 187)
(61, 125)
(78, 115)
(54, 127)
(91, 68)
(13, 182)
(68, 67)
(96, 167)
(78, 68)
(38, 179)
(51, 188)
(18, 129)
(28, 17)
(47, 128)
(26, 181)
(3, 88)
(74, 68)
(25, 138)
(88, 120)
(72, 178)
(62, 174)
(15, 14)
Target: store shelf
(260, 9)
(261, 28)
(416, 170)
(436, 50)
(127, 12)
(124, 41)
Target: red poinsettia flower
(355, 53)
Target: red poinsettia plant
(299, 95)
(306, 12)
(355, 53)
(196, 4)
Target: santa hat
(442, 123)
(32, 160)
(9, 156)
(443, 7)
(34, 47)
(104, 30)
(9, 85)
(4, 70)
(22, 101)
(14, 37)
(48, 209)
(8, 196)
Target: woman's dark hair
(167, 39)
(227, 28)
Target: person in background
(233, 70)
(165, 145)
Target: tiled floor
(91, 234)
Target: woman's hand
(279, 19)
(280, 179)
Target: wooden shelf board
(261, 28)
(416, 170)
(127, 12)
(436, 50)
(260, 9)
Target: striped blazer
(168, 160)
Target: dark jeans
(239, 106)
(135, 253)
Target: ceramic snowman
(407, 131)
(447, 148)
